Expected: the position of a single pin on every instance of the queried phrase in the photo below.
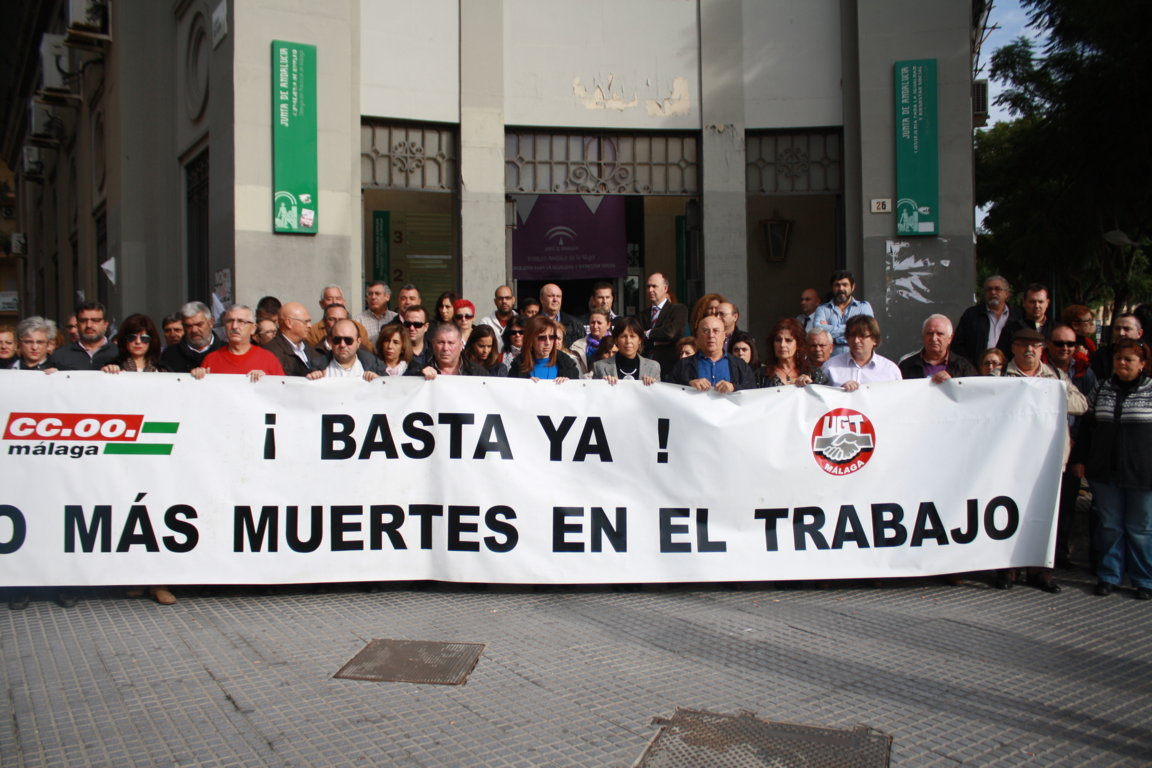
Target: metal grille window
(595, 164)
(407, 156)
(794, 163)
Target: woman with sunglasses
(463, 314)
(139, 344)
(513, 338)
(541, 357)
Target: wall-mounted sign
(917, 155)
(294, 167)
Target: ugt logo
(843, 441)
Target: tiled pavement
(958, 676)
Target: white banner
(161, 479)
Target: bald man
(290, 345)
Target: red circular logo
(843, 441)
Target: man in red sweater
(241, 355)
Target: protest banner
(162, 479)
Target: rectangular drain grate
(691, 738)
(413, 661)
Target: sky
(1012, 22)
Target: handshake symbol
(842, 447)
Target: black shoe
(1143, 593)
(18, 601)
(1103, 589)
(1005, 579)
(66, 599)
(1049, 585)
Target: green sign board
(294, 176)
(917, 150)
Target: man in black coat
(663, 323)
(935, 360)
(974, 332)
(198, 341)
(289, 345)
(92, 350)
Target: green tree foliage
(1076, 162)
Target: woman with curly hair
(785, 356)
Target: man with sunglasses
(416, 324)
(92, 351)
(345, 357)
(1062, 343)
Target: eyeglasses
(414, 323)
(1063, 344)
(143, 338)
(515, 332)
(547, 337)
(464, 317)
(345, 340)
(35, 342)
(991, 364)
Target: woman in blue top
(541, 358)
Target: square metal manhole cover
(693, 738)
(413, 661)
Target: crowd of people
(832, 342)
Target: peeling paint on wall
(602, 96)
(909, 276)
(677, 103)
(607, 95)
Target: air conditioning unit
(40, 121)
(88, 16)
(979, 103)
(53, 63)
(33, 166)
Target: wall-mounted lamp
(777, 233)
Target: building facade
(744, 147)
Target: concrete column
(482, 241)
(722, 151)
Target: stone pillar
(482, 240)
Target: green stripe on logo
(139, 449)
(163, 427)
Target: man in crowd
(982, 325)
(1062, 343)
(603, 297)
(935, 360)
(289, 346)
(833, 315)
(860, 364)
(819, 347)
(1125, 326)
(172, 329)
(711, 368)
(92, 350)
(71, 329)
(408, 296)
(198, 339)
(345, 358)
(730, 316)
(268, 308)
(1027, 350)
(376, 314)
(551, 297)
(416, 324)
(446, 356)
(331, 295)
(1033, 316)
(241, 356)
(529, 307)
(266, 330)
(664, 323)
(332, 314)
(809, 303)
(505, 302)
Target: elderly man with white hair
(935, 359)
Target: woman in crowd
(481, 349)
(627, 362)
(139, 344)
(445, 309)
(513, 338)
(585, 349)
(606, 349)
(1083, 324)
(1114, 451)
(8, 348)
(785, 355)
(743, 345)
(541, 357)
(394, 349)
(33, 337)
(686, 347)
(464, 315)
(703, 306)
(992, 362)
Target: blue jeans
(1123, 534)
